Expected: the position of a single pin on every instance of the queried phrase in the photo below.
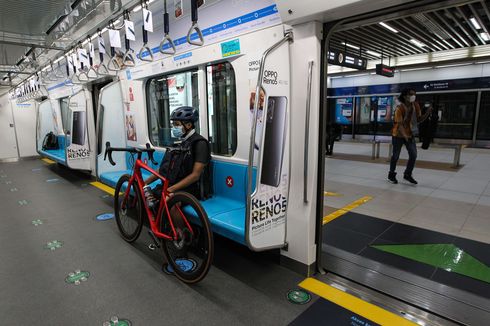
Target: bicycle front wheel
(190, 254)
(128, 211)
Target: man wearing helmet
(184, 164)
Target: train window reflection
(65, 115)
(164, 95)
(222, 119)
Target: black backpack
(178, 163)
(50, 141)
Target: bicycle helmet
(185, 113)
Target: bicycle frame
(154, 222)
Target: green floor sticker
(77, 277)
(117, 321)
(13, 189)
(53, 245)
(8, 182)
(3, 176)
(23, 202)
(445, 256)
(298, 296)
(37, 222)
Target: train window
(164, 95)
(483, 132)
(222, 118)
(456, 112)
(65, 114)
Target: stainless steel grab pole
(307, 130)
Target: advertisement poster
(266, 222)
(385, 104)
(364, 110)
(78, 151)
(179, 10)
(130, 127)
(343, 111)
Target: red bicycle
(180, 224)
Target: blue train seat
(57, 155)
(225, 209)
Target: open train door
(78, 149)
(269, 152)
(110, 127)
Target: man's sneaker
(392, 177)
(410, 179)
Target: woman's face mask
(412, 98)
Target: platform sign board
(266, 223)
(78, 149)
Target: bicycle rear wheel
(128, 212)
(189, 255)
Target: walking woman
(407, 116)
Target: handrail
(113, 61)
(307, 130)
(287, 37)
(194, 26)
(128, 59)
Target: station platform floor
(451, 201)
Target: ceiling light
(388, 27)
(416, 69)
(475, 23)
(485, 37)
(376, 54)
(350, 46)
(455, 65)
(417, 43)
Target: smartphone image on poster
(274, 140)
(78, 130)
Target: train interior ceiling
(300, 161)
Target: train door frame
(389, 280)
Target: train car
(269, 80)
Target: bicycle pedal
(155, 240)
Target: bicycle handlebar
(139, 151)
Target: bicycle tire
(201, 240)
(129, 236)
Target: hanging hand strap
(194, 26)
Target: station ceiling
(447, 25)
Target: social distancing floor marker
(77, 277)
(104, 217)
(48, 161)
(36, 169)
(37, 222)
(52, 180)
(8, 182)
(331, 194)
(13, 189)
(103, 187)
(23, 202)
(53, 245)
(298, 296)
(3, 176)
(348, 301)
(346, 209)
(117, 321)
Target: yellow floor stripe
(47, 160)
(331, 194)
(354, 304)
(103, 187)
(346, 209)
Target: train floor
(49, 231)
